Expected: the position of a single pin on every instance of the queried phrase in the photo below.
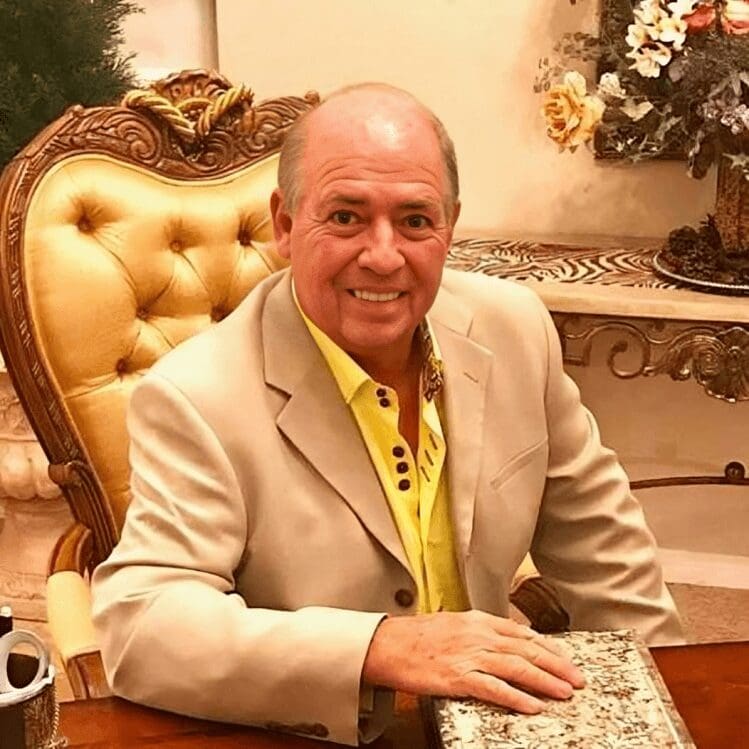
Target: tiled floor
(708, 615)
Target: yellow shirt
(415, 487)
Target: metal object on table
(715, 287)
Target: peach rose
(571, 114)
(701, 19)
(735, 19)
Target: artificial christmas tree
(54, 53)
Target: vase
(732, 207)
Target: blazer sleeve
(173, 633)
(591, 540)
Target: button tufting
(84, 224)
(244, 237)
(121, 366)
(404, 597)
(176, 246)
(218, 313)
(142, 313)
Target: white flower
(609, 87)
(672, 31)
(638, 35)
(650, 12)
(634, 111)
(681, 8)
(649, 60)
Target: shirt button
(404, 484)
(398, 451)
(401, 467)
(381, 392)
(404, 597)
(384, 402)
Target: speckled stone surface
(624, 705)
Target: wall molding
(702, 568)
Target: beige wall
(473, 62)
(171, 35)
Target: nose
(380, 252)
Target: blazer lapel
(317, 420)
(467, 366)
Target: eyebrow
(410, 205)
(345, 199)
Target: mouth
(371, 296)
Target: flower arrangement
(672, 79)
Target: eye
(417, 222)
(343, 218)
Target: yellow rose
(571, 115)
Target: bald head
(368, 110)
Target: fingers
(490, 689)
(542, 651)
(539, 653)
(522, 673)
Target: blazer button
(404, 597)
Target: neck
(395, 366)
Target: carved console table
(596, 292)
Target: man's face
(369, 237)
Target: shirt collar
(350, 376)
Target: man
(363, 437)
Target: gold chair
(123, 231)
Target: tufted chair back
(125, 230)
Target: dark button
(384, 402)
(121, 366)
(401, 467)
(142, 313)
(176, 246)
(404, 597)
(398, 451)
(404, 484)
(381, 392)
(84, 224)
(218, 313)
(244, 237)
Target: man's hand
(469, 654)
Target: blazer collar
(317, 420)
(321, 426)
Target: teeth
(370, 296)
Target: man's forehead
(387, 116)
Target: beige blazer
(259, 553)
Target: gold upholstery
(122, 265)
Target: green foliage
(55, 53)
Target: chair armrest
(537, 599)
(69, 618)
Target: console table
(608, 288)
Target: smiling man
(367, 436)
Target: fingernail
(565, 691)
(537, 706)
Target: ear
(456, 213)
(281, 224)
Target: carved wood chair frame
(216, 141)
